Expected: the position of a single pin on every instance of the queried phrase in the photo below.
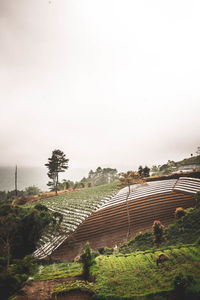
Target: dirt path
(42, 290)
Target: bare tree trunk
(128, 214)
(16, 181)
(56, 184)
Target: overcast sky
(111, 83)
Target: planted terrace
(75, 208)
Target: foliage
(95, 178)
(183, 231)
(58, 270)
(107, 251)
(78, 285)
(186, 287)
(21, 228)
(142, 241)
(12, 278)
(158, 232)
(197, 198)
(129, 178)
(32, 190)
(65, 185)
(179, 213)
(76, 206)
(143, 172)
(87, 261)
(126, 275)
(56, 163)
(171, 166)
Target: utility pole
(16, 180)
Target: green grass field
(137, 274)
(62, 270)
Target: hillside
(115, 273)
(172, 166)
(75, 208)
(189, 161)
(126, 276)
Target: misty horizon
(111, 84)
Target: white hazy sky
(111, 83)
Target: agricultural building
(107, 224)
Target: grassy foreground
(137, 274)
(129, 276)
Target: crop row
(115, 273)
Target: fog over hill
(111, 83)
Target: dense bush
(179, 212)
(87, 261)
(186, 287)
(11, 279)
(158, 232)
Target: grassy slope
(91, 195)
(183, 231)
(62, 270)
(137, 274)
(134, 274)
(189, 161)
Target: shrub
(87, 261)
(101, 250)
(197, 198)
(158, 232)
(179, 212)
(183, 285)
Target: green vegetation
(86, 197)
(172, 166)
(12, 278)
(158, 232)
(20, 229)
(115, 273)
(185, 230)
(78, 285)
(58, 270)
(57, 163)
(133, 273)
(179, 213)
(75, 207)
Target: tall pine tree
(56, 163)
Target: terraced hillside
(108, 225)
(75, 208)
(99, 215)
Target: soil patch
(42, 290)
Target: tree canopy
(56, 163)
(21, 228)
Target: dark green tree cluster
(143, 172)
(21, 228)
